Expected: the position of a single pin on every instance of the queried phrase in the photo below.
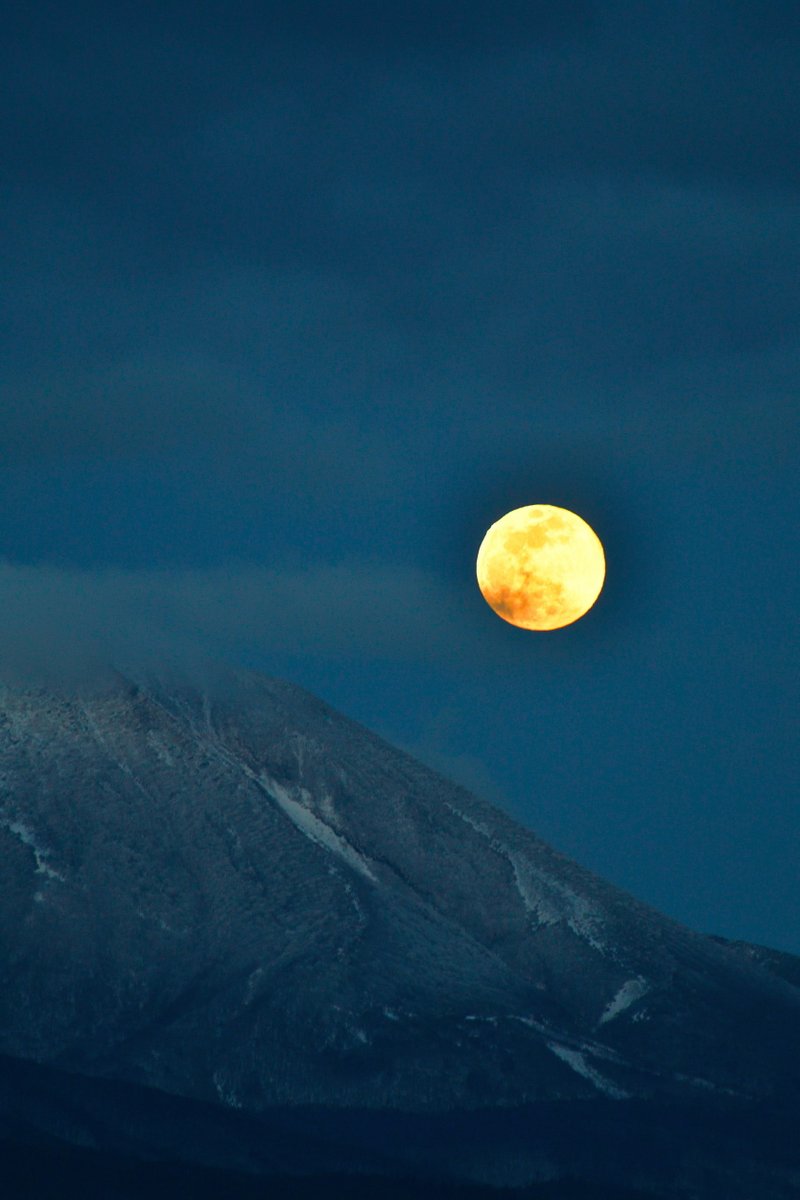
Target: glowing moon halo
(541, 567)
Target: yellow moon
(541, 567)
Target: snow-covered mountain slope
(236, 894)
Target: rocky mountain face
(235, 895)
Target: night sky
(298, 298)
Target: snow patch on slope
(545, 897)
(576, 1060)
(631, 991)
(28, 838)
(225, 1091)
(545, 911)
(314, 828)
(299, 813)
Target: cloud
(62, 624)
(584, 284)
(205, 252)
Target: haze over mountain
(235, 895)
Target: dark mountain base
(150, 1144)
(51, 1172)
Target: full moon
(541, 567)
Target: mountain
(236, 896)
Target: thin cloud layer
(222, 224)
(66, 624)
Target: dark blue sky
(298, 298)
